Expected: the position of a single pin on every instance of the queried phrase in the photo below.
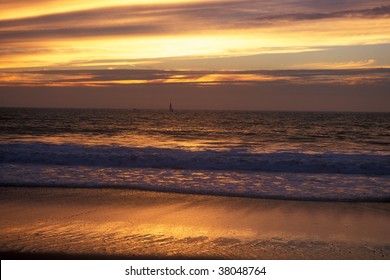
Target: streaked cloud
(382, 11)
(70, 34)
(338, 65)
(178, 18)
(27, 8)
(65, 78)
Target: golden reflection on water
(159, 141)
(85, 221)
(134, 141)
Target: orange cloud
(104, 78)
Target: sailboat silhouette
(170, 107)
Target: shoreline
(174, 191)
(117, 223)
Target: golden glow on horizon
(70, 79)
(339, 65)
(31, 79)
(225, 77)
(36, 79)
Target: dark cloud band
(111, 77)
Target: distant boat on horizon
(170, 107)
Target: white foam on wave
(300, 186)
(235, 159)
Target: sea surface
(284, 155)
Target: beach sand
(63, 223)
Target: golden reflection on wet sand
(136, 223)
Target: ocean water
(286, 155)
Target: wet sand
(60, 223)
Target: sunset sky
(215, 54)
